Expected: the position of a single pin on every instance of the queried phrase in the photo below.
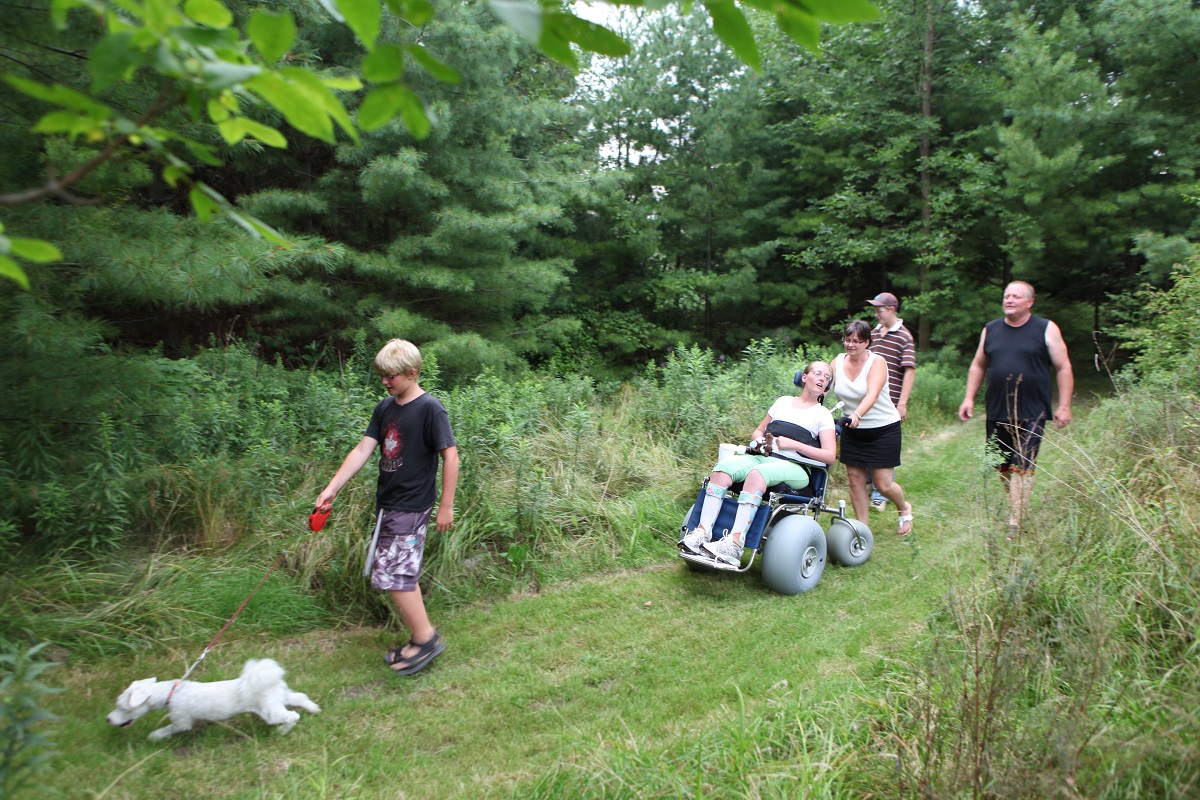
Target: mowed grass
(656, 657)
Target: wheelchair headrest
(799, 379)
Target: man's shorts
(1018, 441)
(399, 550)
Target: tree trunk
(708, 258)
(923, 323)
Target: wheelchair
(786, 532)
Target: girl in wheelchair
(793, 426)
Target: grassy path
(651, 656)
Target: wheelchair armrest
(810, 462)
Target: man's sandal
(426, 653)
(905, 526)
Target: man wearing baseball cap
(895, 344)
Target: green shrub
(1164, 338)
(25, 745)
(936, 395)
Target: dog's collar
(174, 686)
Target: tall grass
(1068, 668)
(788, 747)
(93, 609)
(557, 480)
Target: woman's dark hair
(858, 329)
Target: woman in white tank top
(871, 441)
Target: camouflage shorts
(399, 550)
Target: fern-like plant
(25, 746)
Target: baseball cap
(885, 299)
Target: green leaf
(522, 16)
(60, 96)
(223, 74)
(201, 152)
(381, 104)
(363, 17)
(174, 173)
(297, 107)
(161, 15)
(729, 23)
(342, 83)
(593, 37)
(202, 204)
(416, 117)
(60, 8)
(112, 60)
(238, 128)
(256, 227)
(167, 62)
(416, 12)
(224, 41)
(115, 22)
(272, 34)
(208, 12)
(438, 69)
(38, 251)
(801, 27)
(318, 90)
(556, 40)
(839, 11)
(72, 125)
(218, 111)
(384, 64)
(11, 270)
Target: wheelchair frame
(803, 555)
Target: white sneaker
(726, 551)
(878, 503)
(694, 540)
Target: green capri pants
(773, 470)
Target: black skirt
(872, 448)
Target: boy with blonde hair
(412, 430)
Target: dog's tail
(260, 674)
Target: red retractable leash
(316, 521)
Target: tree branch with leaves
(215, 65)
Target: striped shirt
(899, 352)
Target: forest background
(634, 254)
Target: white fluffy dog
(260, 689)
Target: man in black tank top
(1021, 356)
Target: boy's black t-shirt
(410, 437)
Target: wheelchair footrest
(712, 563)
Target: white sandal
(905, 518)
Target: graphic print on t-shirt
(393, 448)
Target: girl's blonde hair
(828, 388)
(398, 357)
